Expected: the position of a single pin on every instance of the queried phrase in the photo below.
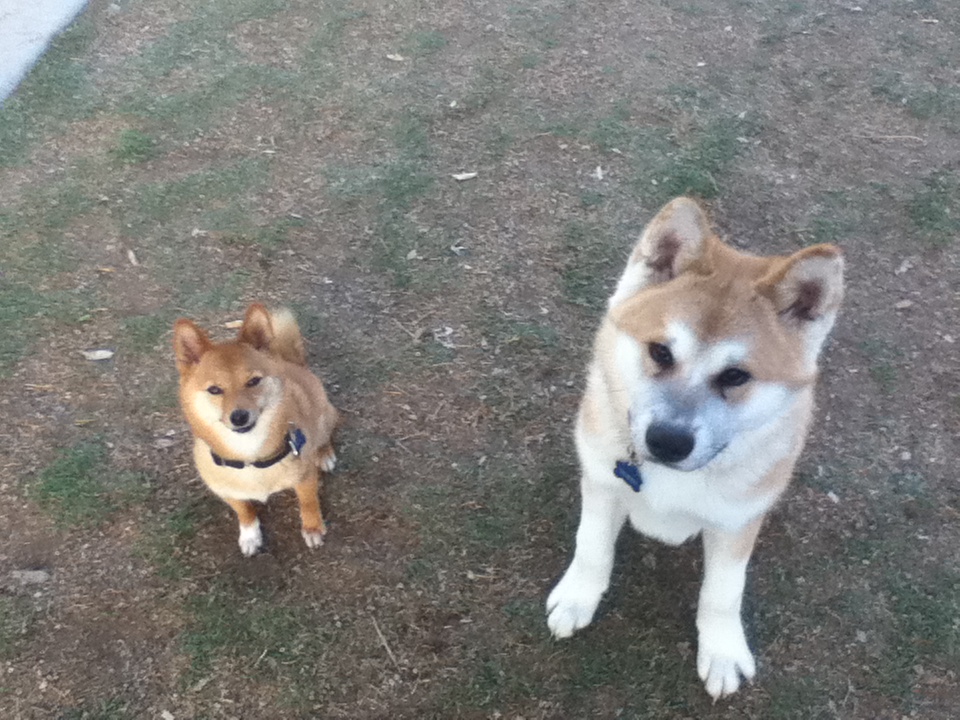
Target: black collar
(295, 440)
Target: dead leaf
(904, 266)
(132, 257)
(97, 354)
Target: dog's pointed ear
(257, 329)
(674, 242)
(189, 344)
(806, 286)
(805, 290)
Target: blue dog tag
(629, 473)
(297, 440)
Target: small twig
(262, 656)
(890, 137)
(415, 335)
(383, 641)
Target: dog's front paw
(251, 539)
(313, 538)
(572, 603)
(328, 459)
(723, 656)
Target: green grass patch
(924, 100)
(668, 162)
(882, 364)
(181, 115)
(935, 208)
(142, 333)
(33, 251)
(798, 698)
(402, 182)
(163, 202)
(700, 163)
(134, 146)
(164, 543)
(410, 135)
(80, 488)
(515, 335)
(591, 264)
(112, 709)
(426, 42)
(231, 623)
(16, 615)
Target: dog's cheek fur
(206, 407)
(766, 403)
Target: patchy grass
(164, 544)
(935, 208)
(275, 640)
(142, 333)
(882, 364)
(591, 258)
(57, 91)
(80, 489)
(162, 202)
(923, 99)
(112, 709)
(16, 615)
(134, 146)
(426, 42)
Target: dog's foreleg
(311, 518)
(722, 653)
(574, 600)
(251, 539)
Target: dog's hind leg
(574, 600)
(251, 539)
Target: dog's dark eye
(215, 390)
(661, 355)
(254, 381)
(732, 377)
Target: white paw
(328, 463)
(723, 656)
(313, 538)
(251, 540)
(572, 603)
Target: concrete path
(26, 29)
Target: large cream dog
(698, 400)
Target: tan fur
(288, 396)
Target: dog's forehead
(688, 346)
(228, 360)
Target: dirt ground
(170, 158)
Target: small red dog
(261, 420)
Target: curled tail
(287, 341)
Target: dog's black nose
(239, 418)
(669, 443)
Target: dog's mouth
(245, 428)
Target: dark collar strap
(295, 440)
